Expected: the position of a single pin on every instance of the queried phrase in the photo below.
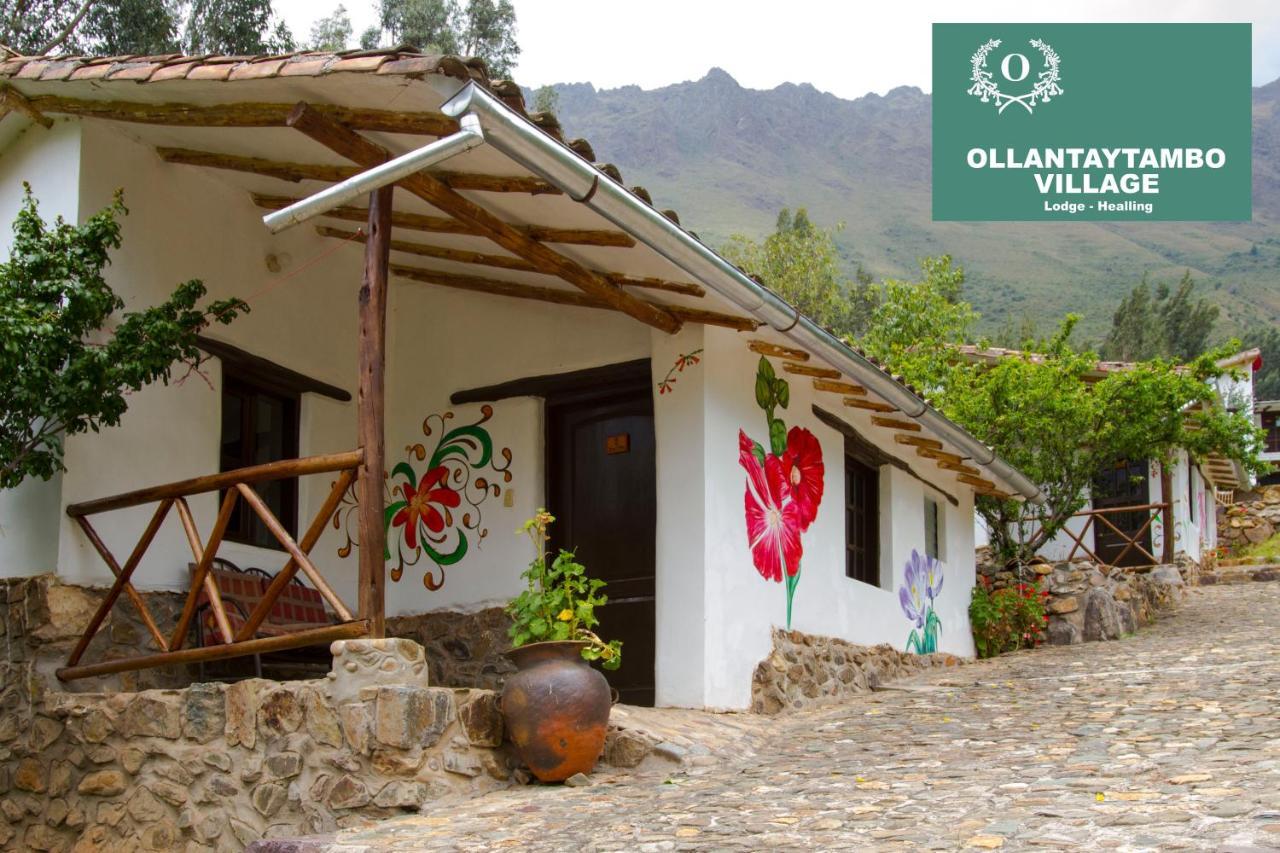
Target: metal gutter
(470, 135)
(523, 142)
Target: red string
(284, 279)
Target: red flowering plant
(1008, 619)
(784, 486)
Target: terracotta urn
(556, 708)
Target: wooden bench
(299, 607)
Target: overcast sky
(847, 48)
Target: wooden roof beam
(295, 172)
(869, 405)
(11, 100)
(335, 136)
(247, 114)
(557, 296)
(777, 350)
(508, 262)
(895, 423)
(810, 370)
(918, 441)
(838, 387)
(447, 225)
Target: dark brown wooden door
(1124, 484)
(602, 489)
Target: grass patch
(1268, 549)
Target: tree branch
(66, 31)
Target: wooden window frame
(931, 505)
(862, 561)
(245, 527)
(1271, 424)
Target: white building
(1139, 483)
(635, 416)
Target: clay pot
(556, 708)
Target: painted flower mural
(921, 585)
(784, 486)
(688, 359)
(436, 515)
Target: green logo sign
(1092, 122)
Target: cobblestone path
(1166, 740)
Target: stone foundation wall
(215, 766)
(1091, 602)
(805, 670)
(1253, 518)
(463, 649)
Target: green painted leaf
(406, 470)
(758, 452)
(782, 391)
(452, 557)
(778, 436)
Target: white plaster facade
(715, 612)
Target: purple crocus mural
(921, 585)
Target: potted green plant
(556, 706)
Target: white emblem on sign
(1014, 68)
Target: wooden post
(370, 412)
(1166, 497)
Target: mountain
(728, 158)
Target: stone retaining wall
(215, 766)
(1253, 518)
(805, 670)
(463, 649)
(1091, 602)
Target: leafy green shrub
(1005, 620)
(560, 601)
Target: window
(932, 529)
(861, 521)
(259, 425)
(1271, 425)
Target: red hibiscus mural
(784, 486)
(420, 502)
(773, 520)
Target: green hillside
(728, 158)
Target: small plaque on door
(620, 443)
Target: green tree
(546, 99)
(1266, 382)
(800, 263)
(1161, 324)
(61, 372)
(235, 27)
(332, 32)
(483, 28)
(1041, 414)
(105, 27)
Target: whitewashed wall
(48, 160)
(741, 607)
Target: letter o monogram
(1004, 67)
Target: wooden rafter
(464, 256)
(446, 225)
(869, 405)
(895, 423)
(837, 387)
(777, 350)
(249, 114)
(559, 296)
(918, 441)
(366, 153)
(294, 172)
(958, 467)
(939, 455)
(13, 100)
(978, 482)
(810, 370)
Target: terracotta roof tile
(174, 71)
(90, 72)
(131, 71)
(210, 71)
(306, 67)
(257, 70)
(357, 64)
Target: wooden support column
(370, 423)
(1166, 497)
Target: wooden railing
(1131, 542)
(238, 485)
(1224, 497)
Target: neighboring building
(1267, 413)
(637, 412)
(1192, 487)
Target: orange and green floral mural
(784, 486)
(434, 512)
